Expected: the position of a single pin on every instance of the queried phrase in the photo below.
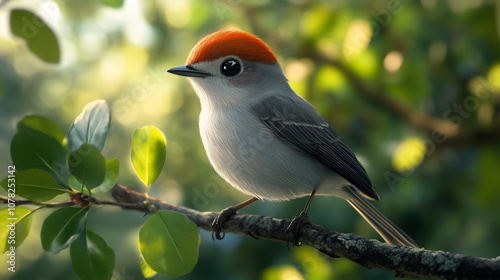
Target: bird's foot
(219, 221)
(292, 230)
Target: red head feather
(231, 42)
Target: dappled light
(408, 154)
(494, 76)
(411, 87)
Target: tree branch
(456, 135)
(403, 261)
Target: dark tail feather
(391, 233)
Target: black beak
(188, 71)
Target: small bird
(267, 141)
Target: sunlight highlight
(408, 154)
(358, 36)
(298, 69)
(393, 61)
(494, 76)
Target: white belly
(249, 156)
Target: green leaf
(91, 257)
(113, 3)
(33, 149)
(148, 153)
(169, 243)
(18, 219)
(35, 185)
(42, 124)
(90, 127)
(87, 165)
(62, 227)
(40, 38)
(147, 272)
(112, 171)
(73, 183)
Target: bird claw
(219, 221)
(293, 229)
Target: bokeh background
(389, 76)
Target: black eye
(230, 67)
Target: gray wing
(298, 123)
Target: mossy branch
(403, 261)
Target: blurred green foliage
(440, 58)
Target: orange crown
(231, 42)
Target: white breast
(249, 156)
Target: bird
(267, 141)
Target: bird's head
(229, 67)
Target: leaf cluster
(49, 165)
